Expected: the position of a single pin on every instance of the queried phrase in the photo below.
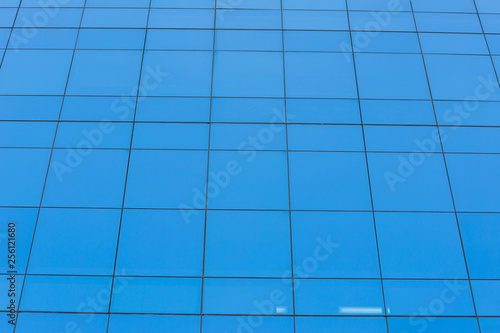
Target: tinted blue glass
(474, 181)
(315, 20)
(104, 73)
(171, 109)
(397, 112)
(248, 137)
(490, 23)
(102, 109)
(319, 75)
(254, 4)
(4, 36)
(494, 43)
(428, 297)
(181, 18)
(397, 76)
(434, 325)
(322, 111)
(409, 182)
(316, 40)
(471, 139)
(66, 293)
(44, 39)
(22, 182)
(162, 39)
(114, 18)
(248, 179)
(402, 138)
(27, 134)
(486, 294)
(157, 295)
(49, 17)
(453, 43)
(466, 6)
(111, 39)
(239, 244)
(347, 325)
(314, 4)
(332, 245)
(246, 296)
(98, 135)
(258, 110)
(248, 19)
(170, 136)
(339, 297)
(7, 16)
(490, 325)
(153, 324)
(420, 245)
(381, 21)
(65, 234)
(488, 6)
(332, 138)
(329, 181)
(37, 3)
(248, 74)
(385, 42)
(86, 177)
(447, 22)
(24, 219)
(215, 324)
(168, 178)
(175, 248)
(482, 249)
(250, 40)
(44, 72)
(117, 3)
(456, 113)
(457, 77)
(183, 4)
(58, 322)
(177, 73)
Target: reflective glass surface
(249, 166)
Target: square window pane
(320, 75)
(420, 245)
(65, 293)
(157, 295)
(247, 296)
(65, 238)
(59, 322)
(325, 137)
(434, 325)
(268, 324)
(100, 72)
(339, 297)
(44, 72)
(248, 179)
(248, 74)
(166, 179)
(181, 18)
(409, 182)
(334, 245)
(391, 76)
(248, 137)
(239, 244)
(315, 20)
(329, 181)
(486, 295)
(421, 297)
(343, 324)
(153, 324)
(475, 181)
(482, 249)
(27, 134)
(78, 178)
(170, 136)
(22, 182)
(175, 248)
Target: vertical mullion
(128, 168)
(208, 170)
(367, 168)
(445, 163)
(50, 158)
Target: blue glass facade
(250, 166)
